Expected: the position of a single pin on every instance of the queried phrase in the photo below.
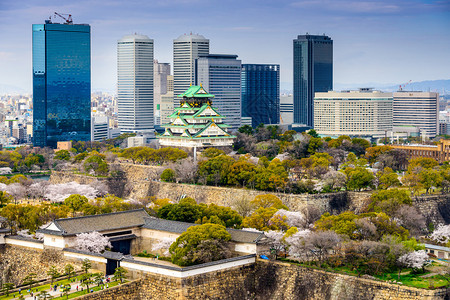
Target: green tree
(215, 170)
(268, 200)
(120, 274)
(7, 287)
(314, 144)
(96, 163)
(44, 295)
(261, 219)
(184, 211)
(430, 178)
(222, 215)
(247, 129)
(75, 202)
(388, 178)
(53, 273)
(242, 172)
(209, 240)
(212, 152)
(86, 280)
(424, 162)
(388, 201)
(313, 133)
(86, 265)
(69, 271)
(168, 175)
(5, 198)
(62, 155)
(358, 178)
(412, 181)
(29, 280)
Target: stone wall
(17, 262)
(139, 181)
(265, 281)
(287, 281)
(126, 291)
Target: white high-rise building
(135, 83)
(419, 109)
(186, 49)
(363, 113)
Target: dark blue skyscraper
(61, 83)
(313, 72)
(261, 93)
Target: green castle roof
(196, 91)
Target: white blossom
(59, 192)
(415, 259)
(6, 170)
(163, 245)
(293, 218)
(92, 242)
(296, 241)
(276, 239)
(441, 234)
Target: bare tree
(185, 170)
(243, 206)
(411, 218)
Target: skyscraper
(313, 72)
(160, 73)
(261, 93)
(61, 83)
(419, 109)
(186, 49)
(220, 74)
(135, 83)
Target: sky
(377, 41)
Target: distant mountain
(11, 89)
(441, 86)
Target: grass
(80, 293)
(45, 287)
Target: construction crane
(62, 16)
(400, 87)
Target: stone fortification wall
(139, 181)
(126, 291)
(264, 281)
(287, 281)
(17, 262)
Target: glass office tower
(61, 83)
(261, 93)
(220, 75)
(313, 72)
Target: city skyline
(383, 41)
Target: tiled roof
(436, 247)
(196, 91)
(243, 236)
(167, 225)
(111, 221)
(240, 236)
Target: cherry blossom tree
(163, 245)
(275, 241)
(297, 243)
(59, 192)
(92, 242)
(293, 218)
(441, 234)
(38, 189)
(415, 260)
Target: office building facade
(261, 93)
(418, 109)
(363, 113)
(186, 49)
(160, 73)
(220, 74)
(313, 72)
(61, 83)
(286, 109)
(135, 84)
